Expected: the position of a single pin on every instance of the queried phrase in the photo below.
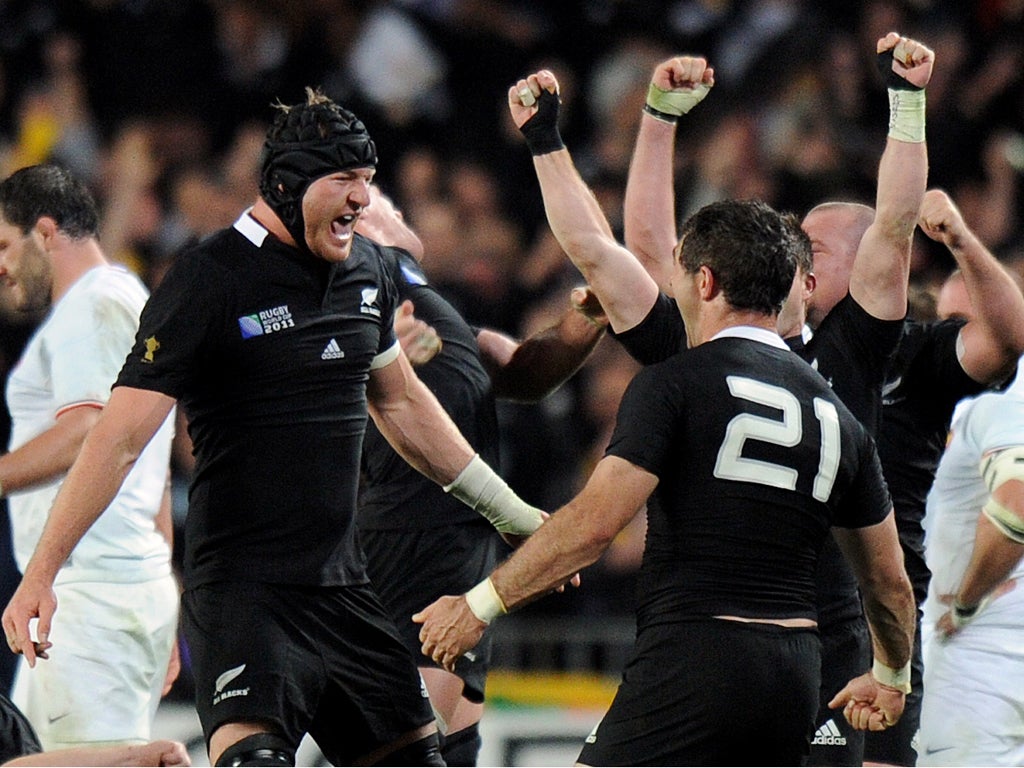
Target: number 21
(785, 432)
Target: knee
(259, 749)
(462, 747)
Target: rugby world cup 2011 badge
(266, 321)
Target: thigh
(102, 683)
(971, 711)
(411, 569)
(374, 687)
(845, 654)
(701, 693)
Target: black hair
(49, 190)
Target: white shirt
(72, 360)
(988, 422)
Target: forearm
(560, 548)
(892, 617)
(574, 214)
(422, 433)
(993, 560)
(90, 486)
(998, 322)
(649, 209)
(49, 455)
(120, 755)
(543, 362)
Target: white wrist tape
(961, 615)
(675, 102)
(485, 602)
(479, 487)
(906, 115)
(894, 678)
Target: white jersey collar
(763, 335)
(255, 232)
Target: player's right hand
(940, 219)
(30, 600)
(523, 96)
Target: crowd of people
(439, 222)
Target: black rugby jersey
(924, 384)
(394, 495)
(756, 458)
(268, 349)
(851, 350)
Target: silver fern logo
(219, 694)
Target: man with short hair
(119, 622)
(746, 459)
(276, 337)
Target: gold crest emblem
(152, 345)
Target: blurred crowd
(162, 105)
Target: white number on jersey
(785, 432)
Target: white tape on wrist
(906, 115)
(894, 678)
(675, 102)
(485, 602)
(479, 487)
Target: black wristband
(964, 612)
(541, 130)
(892, 80)
(657, 114)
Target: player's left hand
(449, 630)
(868, 705)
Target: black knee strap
(462, 747)
(259, 749)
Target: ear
(810, 283)
(706, 283)
(48, 230)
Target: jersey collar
(753, 333)
(255, 232)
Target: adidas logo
(332, 351)
(829, 736)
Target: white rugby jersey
(985, 423)
(71, 361)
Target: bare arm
(625, 290)
(881, 269)
(128, 422)
(572, 539)
(49, 454)
(155, 753)
(993, 339)
(530, 370)
(409, 416)
(875, 555)
(649, 210)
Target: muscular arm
(994, 556)
(409, 416)
(530, 370)
(620, 282)
(49, 454)
(649, 209)
(875, 555)
(993, 339)
(881, 268)
(577, 534)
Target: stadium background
(161, 106)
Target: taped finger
(526, 96)
(902, 54)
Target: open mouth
(343, 226)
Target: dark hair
(307, 141)
(751, 249)
(49, 190)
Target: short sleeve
(649, 410)
(867, 502)
(658, 336)
(173, 328)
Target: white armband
(894, 678)
(485, 602)
(479, 487)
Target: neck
(265, 215)
(732, 318)
(71, 260)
